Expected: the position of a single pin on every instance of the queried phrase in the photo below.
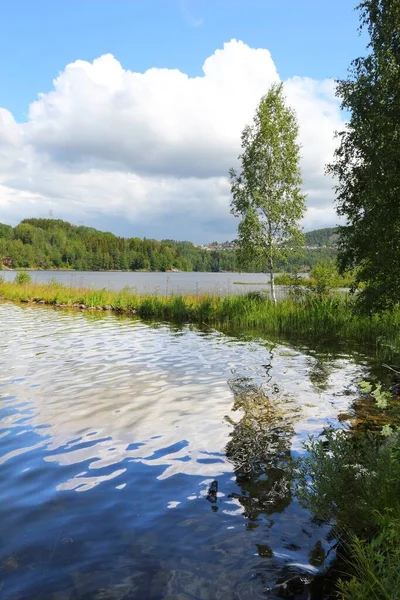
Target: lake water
(162, 283)
(152, 462)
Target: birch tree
(266, 191)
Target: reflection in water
(259, 449)
(319, 373)
(154, 462)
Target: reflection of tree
(319, 373)
(260, 451)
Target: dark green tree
(367, 162)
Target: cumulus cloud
(154, 148)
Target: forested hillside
(322, 237)
(56, 244)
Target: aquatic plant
(380, 396)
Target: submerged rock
(395, 389)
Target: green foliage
(375, 564)
(288, 279)
(328, 236)
(380, 396)
(365, 386)
(56, 244)
(6, 232)
(388, 430)
(351, 479)
(23, 278)
(324, 275)
(266, 193)
(367, 161)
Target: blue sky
(307, 39)
(315, 38)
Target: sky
(126, 114)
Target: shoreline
(316, 317)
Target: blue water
(152, 462)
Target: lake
(144, 461)
(162, 283)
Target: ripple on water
(152, 461)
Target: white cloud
(155, 147)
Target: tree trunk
(271, 281)
(271, 263)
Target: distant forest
(322, 237)
(56, 244)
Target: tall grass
(375, 566)
(330, 317)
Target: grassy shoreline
(330, 317)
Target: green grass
(375, 565)
(320, 318)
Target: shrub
(351, 479)
(324, 275)
(23, 278)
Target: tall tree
(367, 162)
(266, 192)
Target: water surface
(162, 283)
(153, 462)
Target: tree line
(57, 244)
